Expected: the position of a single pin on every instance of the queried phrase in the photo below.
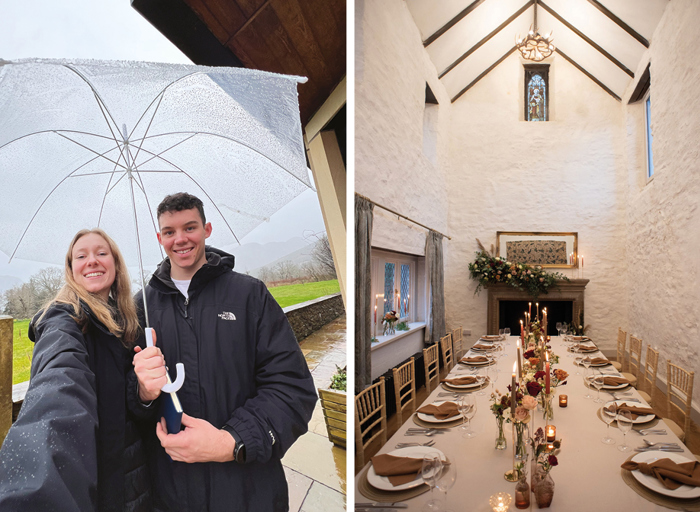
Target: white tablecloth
(588, 475)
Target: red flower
(529, 354)
(533, 388)
(552, 459)
(539, 375)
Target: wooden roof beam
(489, 36)
(482, 75)
(447, 26)
(586, 38)
(624, 26)
(589, 75)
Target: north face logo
(227, 316)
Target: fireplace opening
(512, 311)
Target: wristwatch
(239, 449)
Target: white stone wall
(563, 175)
(391, 167)
(663, 222)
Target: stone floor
(315, 468)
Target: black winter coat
(74, 446)
(243, 368)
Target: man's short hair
(181, 201)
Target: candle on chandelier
(551, 433)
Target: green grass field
(22, 352)
(286, 295)
(291, 294)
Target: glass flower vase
(501, 443)
(543, 487)
(521, 435)
(547, 400)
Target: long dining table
(588, 476)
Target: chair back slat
(458, 342)
(621, 343)
(370, 418)
(404, 388)
(651, 367)
(447, 351)
(635, 357)
(432, 366)
(680, 392)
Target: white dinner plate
(429, 418)
(619, 386)
(684, 491)
(578, 362)
(383, 483)
(463, 386)
(482, 349)
(484, 363)
(490, 337)
(641, 419)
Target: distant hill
(250, 257)
(297, 257)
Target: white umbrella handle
(170, 387)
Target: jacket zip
(187, 301)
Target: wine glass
(480, 379)
(447, 479)
(493, 376)
(598, 383)
(500, 333)
(506, 332)
(624, 423)
(430, 472)
(586, 362)
(559, 325)
(608, 417)
(467, 407)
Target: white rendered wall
(566, 174)
(391, 168)
(663, 233)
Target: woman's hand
(149, 365)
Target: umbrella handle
(170, 387)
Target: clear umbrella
(93, 143)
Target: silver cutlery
(406, 445)
(649, 443)
(425, 433)
(651, 432)
(660, 449)
(380, 505)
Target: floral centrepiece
(488, 269)
(500, 404)
(389, 321)
(536, 386)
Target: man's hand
(199, 442)
(149, 365)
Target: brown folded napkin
(587, 349)
(599, 360)
(482, 347)
(442, 411)
(461, 381)
(475, 359)
(670, 474)
(581, 338)
(400, 470)
(615, 381)
(636, 410)
(491, 337)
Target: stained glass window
(537, 92)
(389, 273)
(405, 289)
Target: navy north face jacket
(243, 368)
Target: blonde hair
(122, 322)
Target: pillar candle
(512, 394)
(546, 369)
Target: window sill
(387, 340)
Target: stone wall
(311, 315)
(663, 220)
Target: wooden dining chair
(648, 378)
(405, 388)
(621, 343)
(634, 362)
(679, 397)
(432, 366)
(447, 352)
(458, 342)
(370, 418)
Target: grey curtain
(364, 215)
(436, 277)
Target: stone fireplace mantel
(572, 290)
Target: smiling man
(248, 393)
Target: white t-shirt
(182, 286)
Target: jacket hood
(218, 262)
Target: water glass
(467, 406)
(447, 479)
(430, 473)
(609, 417)
(598, 383)
(624, 423)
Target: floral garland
(488, 269)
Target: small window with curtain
(536, 92)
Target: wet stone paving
(314, 467)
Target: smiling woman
(93, 264)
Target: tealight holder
(551, 433)
(563, 400)
(500, 501)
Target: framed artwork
(549, 250)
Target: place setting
(641, 417)
(477, 360)
(465, 383)
(438, 415)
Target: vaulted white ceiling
(604, 39)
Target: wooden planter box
(334, 405)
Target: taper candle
(512, 393)
(546, 369)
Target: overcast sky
(112, 29)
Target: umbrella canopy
(86, 143)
